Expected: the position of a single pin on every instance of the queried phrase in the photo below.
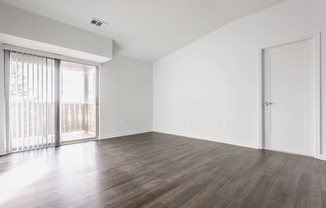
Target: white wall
(215, 79)
(126, 93)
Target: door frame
(97, 108)
(317, 94)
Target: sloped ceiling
(146, 29)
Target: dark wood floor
(160, 170)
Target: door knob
(268, 103)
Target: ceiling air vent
(98, 22)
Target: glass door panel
(78, 102)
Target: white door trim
(317, 95)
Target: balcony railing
(32, 123)
(77, 117)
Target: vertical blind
(31, 101)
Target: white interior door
(289, 87)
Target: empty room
(163, 104)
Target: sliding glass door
(49, 101)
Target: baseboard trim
(322, 157)
(218, 140)
(3, 153)
(120, 134)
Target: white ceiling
(146, 29)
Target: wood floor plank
(155, 170)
